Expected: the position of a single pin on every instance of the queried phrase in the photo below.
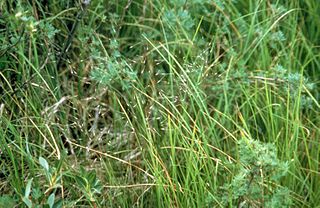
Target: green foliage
(256, 175)
(178, 19)
(89, 184)
(112, 71)
(7, 201)
(143, 104)
(36, 196)
(26, 196)
(114, 74)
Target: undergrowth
(199, 103)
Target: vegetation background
(159, 103)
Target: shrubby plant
(112, 71)
(257, 178)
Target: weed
(156, 103)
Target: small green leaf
(50, 200)
(81, 181)
(91, 177)
(58, 204)
(36, 193)
(28, 189)
(27, 201)
(43, 162)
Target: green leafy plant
(36, 196)
(258, 174)
(89, 184)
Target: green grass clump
(159, 103)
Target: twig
(71, 34)
(14, 44)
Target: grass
(159, 103)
